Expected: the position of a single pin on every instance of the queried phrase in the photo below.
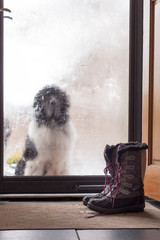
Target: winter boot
(109, 155)
(110, 170)
(126, 188)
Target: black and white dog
(50, 136)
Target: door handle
(6, 10)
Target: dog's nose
(52, 102)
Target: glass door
(66, 91)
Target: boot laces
(116, 186)
(117, 178)
(106, 177)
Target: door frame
(85, 184)
(152, 176)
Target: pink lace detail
(106, 177)
(117, 177)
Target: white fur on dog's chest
(52, 145)
(46, 139)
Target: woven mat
(70, 215)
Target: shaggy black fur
(54, 100)
(30, 153)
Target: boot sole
(135, 208)
(85, 203)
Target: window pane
(81, 47)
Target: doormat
(71, 215)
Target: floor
(129, 234)
(79, 234)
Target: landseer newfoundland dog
(50, 136)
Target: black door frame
(135, 70)
(78, 184)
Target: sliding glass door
(67, 91)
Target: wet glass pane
(65, 85)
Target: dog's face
(51, 105)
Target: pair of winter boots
(125, 162)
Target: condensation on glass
(81, 47)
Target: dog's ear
(36, 101)
(67, 104)
(34, 104)
(66, 100)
